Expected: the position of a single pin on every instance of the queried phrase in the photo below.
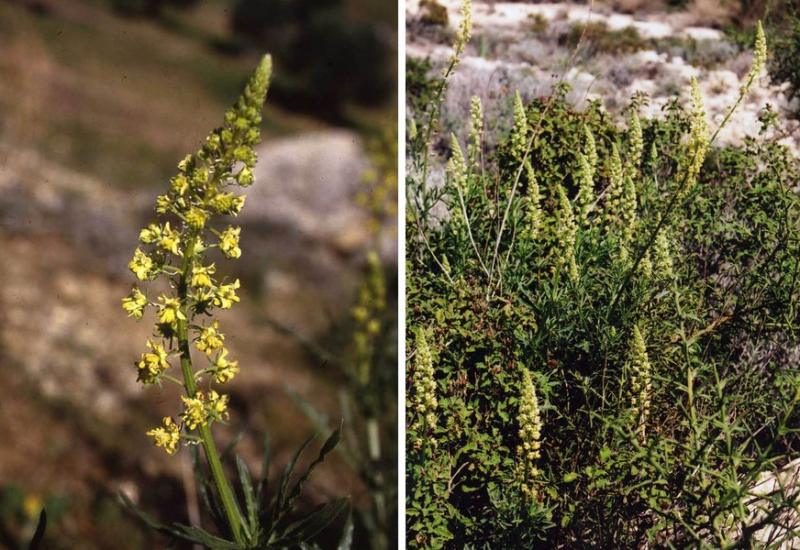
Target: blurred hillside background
(99, 100)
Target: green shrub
(600, 329)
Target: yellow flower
(226, 295)
(196, 218)
(135, 303)
(150, 234)
(245, 177)
(229, 243)
(179, 184)
(210, 338)
(170, 310)
(152, 363)
(225, 370)
(141, 265)
(170, 239)
(201, 276)
(168, 437)
(194, 414)
(218, 405)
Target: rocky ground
(530, 46)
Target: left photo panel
(199, 299)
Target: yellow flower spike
(424, 400)
(520, 131)
(169, 310)
(225, 370)
(142, 265)
(229, 243)
(457, 167)
(533, 210)
(530, 432)
(194, 413)
(168, 437)
(226, 296)
(640, 380)
(586, 194)
(135, 303)
(210, 338)
(636, 145)
(201, 276)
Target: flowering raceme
(176, 249)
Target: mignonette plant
(178, 248)
(368, 395)
(602, 330)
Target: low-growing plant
(177, 249)
(601, 332)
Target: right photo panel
(602, 275)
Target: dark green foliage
(268, 523)
(598, 38)
(720, 331)
(421, 86)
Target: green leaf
(39, 534)
(249, 496)
(313, 523)
(570, 477)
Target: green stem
(212, 456)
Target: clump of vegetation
(433, 13)
(596, 38)
(601, 328)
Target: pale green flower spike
(639, 365)
(759, 59)
(519, 133)
(586, 195)
(636, 146)
(530, 432)
(628, 210)
(457, 166)
(475, 131)
(566, 232)
(590, 150)
(462, 36)
(533, 210)
(424, 401)
(645, 269)
(663, 259)
(615, 191)
(699, 141)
